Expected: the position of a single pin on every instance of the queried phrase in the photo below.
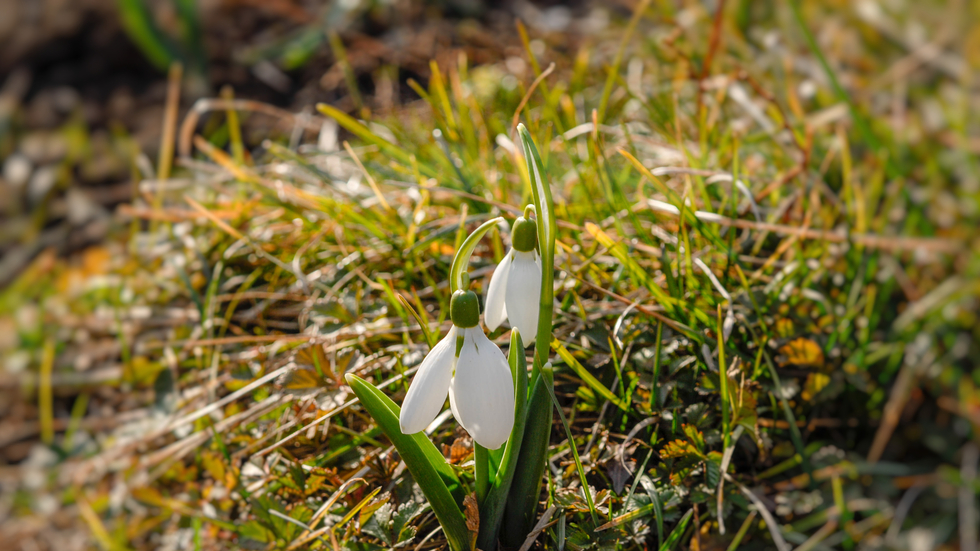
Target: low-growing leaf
(428, 467)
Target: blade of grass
(144, 32)
(637, 272)
(166, 155)
(677, 532)
(675, 200)
(863, 127)
(575, 457)
(96, 526)
(587, 377)
(354, 510)
(656, 365)
(234, 128)
(370, 179)
(614, 69)
(430, 338)
(740, 535)
(340, 54)
(628, 517)
(723, 385)
(45, 398)
(365, 133)
(438, 87)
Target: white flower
(481, 393)
(477, 379)
(514, 292)
(427, 393)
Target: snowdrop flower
(473, 370)
(515, 287)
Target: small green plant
(488, 394)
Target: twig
(777, 536)
(166, 156)
(370, 179)
(527, 96)
(539, 527)
(818, 536)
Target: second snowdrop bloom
(473, 371)
(515, 287)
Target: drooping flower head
(473, 371)
(515, 286)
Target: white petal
(427, 393)
(482, 391)
(524, 295)
(495, 311)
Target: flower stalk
(522, 502)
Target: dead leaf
(458, 451)
(815, 382)
(801, 352)
(472, 513)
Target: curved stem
(462, 259)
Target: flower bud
(464, 309)
(524, 234)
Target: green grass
(848, 376)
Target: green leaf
(544, 209)
(522, 500)
(428, 467)
(658, 506)
(675, 535)
(461, 261)
(519, 514)
(400, 521)
(713, 468)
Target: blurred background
(84, 83)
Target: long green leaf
(658, 506)
(677, 532)
(462, 259)
(428, 467)
(544, 209)
(525, 490)
(492, 509)
(522, 503)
